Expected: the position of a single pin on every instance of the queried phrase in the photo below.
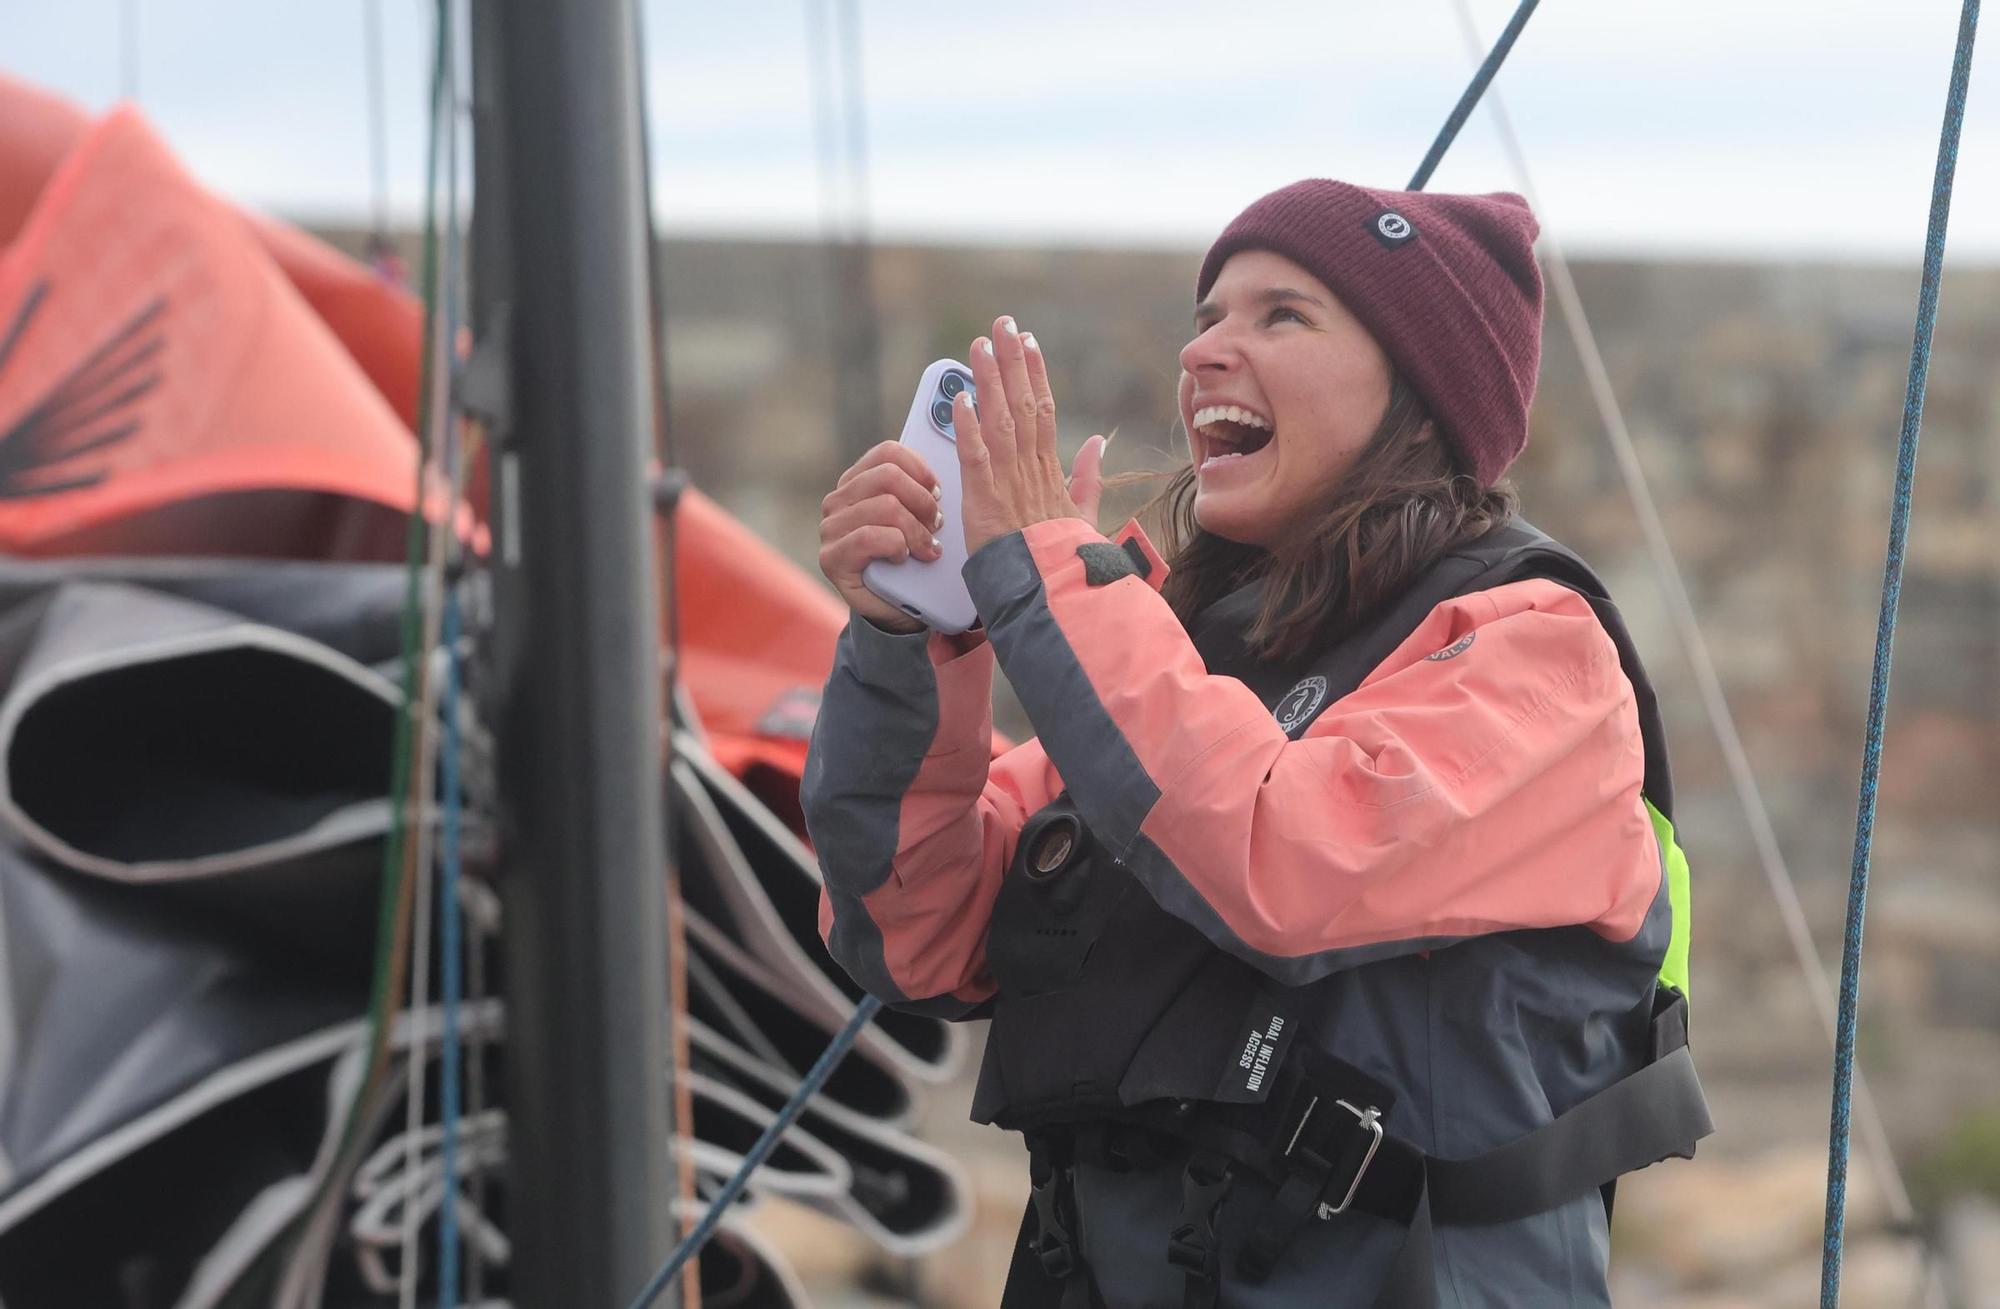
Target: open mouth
(1229, 434)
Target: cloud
(1773, 128)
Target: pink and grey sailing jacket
(1455, 857)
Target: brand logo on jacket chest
(1300, 704)
(1454, 650)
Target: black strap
(1656, 1113)
(1330, 1158)
(1286, 1212)
(1325, 1154)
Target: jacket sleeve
(911, 817)
(1484, 778)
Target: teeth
(1229, 413)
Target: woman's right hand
(884, 507)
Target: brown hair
(1404, 504)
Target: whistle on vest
(1053, 903)
(1054, 859)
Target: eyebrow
(1268, 296)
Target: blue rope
(450, 939)
(815, 1078)
(1885, 636)
(1470, 100)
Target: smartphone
(933, 590)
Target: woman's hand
(884, 507)
(1010, 473)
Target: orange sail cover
(381, 324)
(757, 637)
(163, 387)
(177, 376)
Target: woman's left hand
(1011, 475)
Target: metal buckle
(1371, 1121)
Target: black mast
(575, 649)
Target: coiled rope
(1885, 640)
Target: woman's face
(1280, 390)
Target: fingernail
(1028, 339)
(935, 547)
(985, 347)
(937, 492)
(938, 521)
(1007, 326)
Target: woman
(1339, 875)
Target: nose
(1210, 351)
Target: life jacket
(1121, 1035)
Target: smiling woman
(1381, 510)
(1357, 495)
(1337, 900)
(1272, 341)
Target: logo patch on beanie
(1392, 229)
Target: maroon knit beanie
(1447, 284)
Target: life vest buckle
(1054, 1204)
(1368, 1120)
(1058, 1256)
(1192, 1245)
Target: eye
(1280, 313)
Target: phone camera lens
(952, 383)
(941, 414)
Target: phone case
(933, 590)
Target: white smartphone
(933, 590)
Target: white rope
(392, 1199)
(378, 117)
(440, 419)
(1783, 889)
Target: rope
(821, 78)
(452, 982)
(1885, 638)
(378, 120)
(300, 1284)
(854, 112)
(1777, 874)
(840, 137)
(785, 1117)
(442, 349)
(450, 939)
(1469, 100)
(664, 555)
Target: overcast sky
(1735, 127)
